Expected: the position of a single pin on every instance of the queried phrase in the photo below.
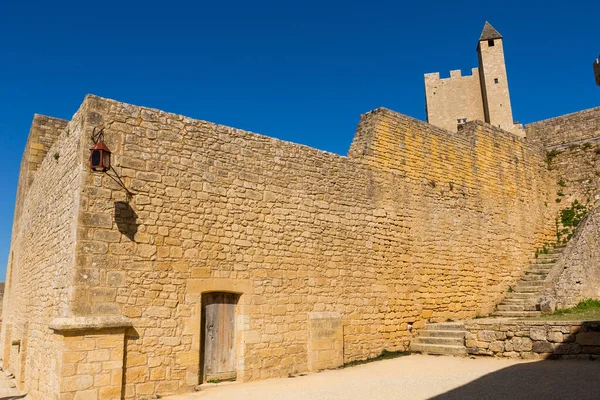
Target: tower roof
(489, 33)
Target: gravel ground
(426, 377)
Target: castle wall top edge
(454, 74)
(564, 116)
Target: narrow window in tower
(490, 42)
(495, 80)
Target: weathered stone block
(538, 333)
(555, 337)
(486, 336)
(77, 383)
(521, 344)
(567, 348)
(588, 338)
(497, 346)
(542, 347)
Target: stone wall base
(534, 339)
(89, 357)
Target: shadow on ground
(549, 379)
(22, 396)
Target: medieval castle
(206, 252)
(483, 96)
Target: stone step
(447, 341)
(542, 264)
(532, 289)
(521, 295)
(439, 333)
(516, 307)
(527, 285)
(438, 349)
(445, 326)
(532, 277)
(549, 256)
(517, 314)
(537, 271)
(518, 301)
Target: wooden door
(218, 327)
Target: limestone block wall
(534, 339)
(576, 275)
(415, 224)
(453, 98)
(565, 130)
(42, 252)
(576, 171)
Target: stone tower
(494, 83)
(483, 95)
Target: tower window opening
(491, 43)
(495, 80)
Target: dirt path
(427, 377)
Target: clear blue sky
(299, 71)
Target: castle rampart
(416, 223)
(560, 132)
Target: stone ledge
(529, 322)
(90, 323)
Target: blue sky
(298, 71)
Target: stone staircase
(523, 300)
(447, 338)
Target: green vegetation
(385, 355)
(544, 250)
(550, 155)
(510, 289)
(586, 310)
(56, 156)
(561, 183)
(570, 218)
(586, 145)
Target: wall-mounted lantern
(99, 153)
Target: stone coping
(90, 322)
(530, 322)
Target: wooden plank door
(218, 321)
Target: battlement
(455, 73)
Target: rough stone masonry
(330, 259)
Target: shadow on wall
(126, 219)
(548, 379)
(130, 335)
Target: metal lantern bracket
(98, 136)
(98, 140)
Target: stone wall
(533, 339)
(576, 170)
(415, 224)
(576, 275)
(42, 250)
(565, 130)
